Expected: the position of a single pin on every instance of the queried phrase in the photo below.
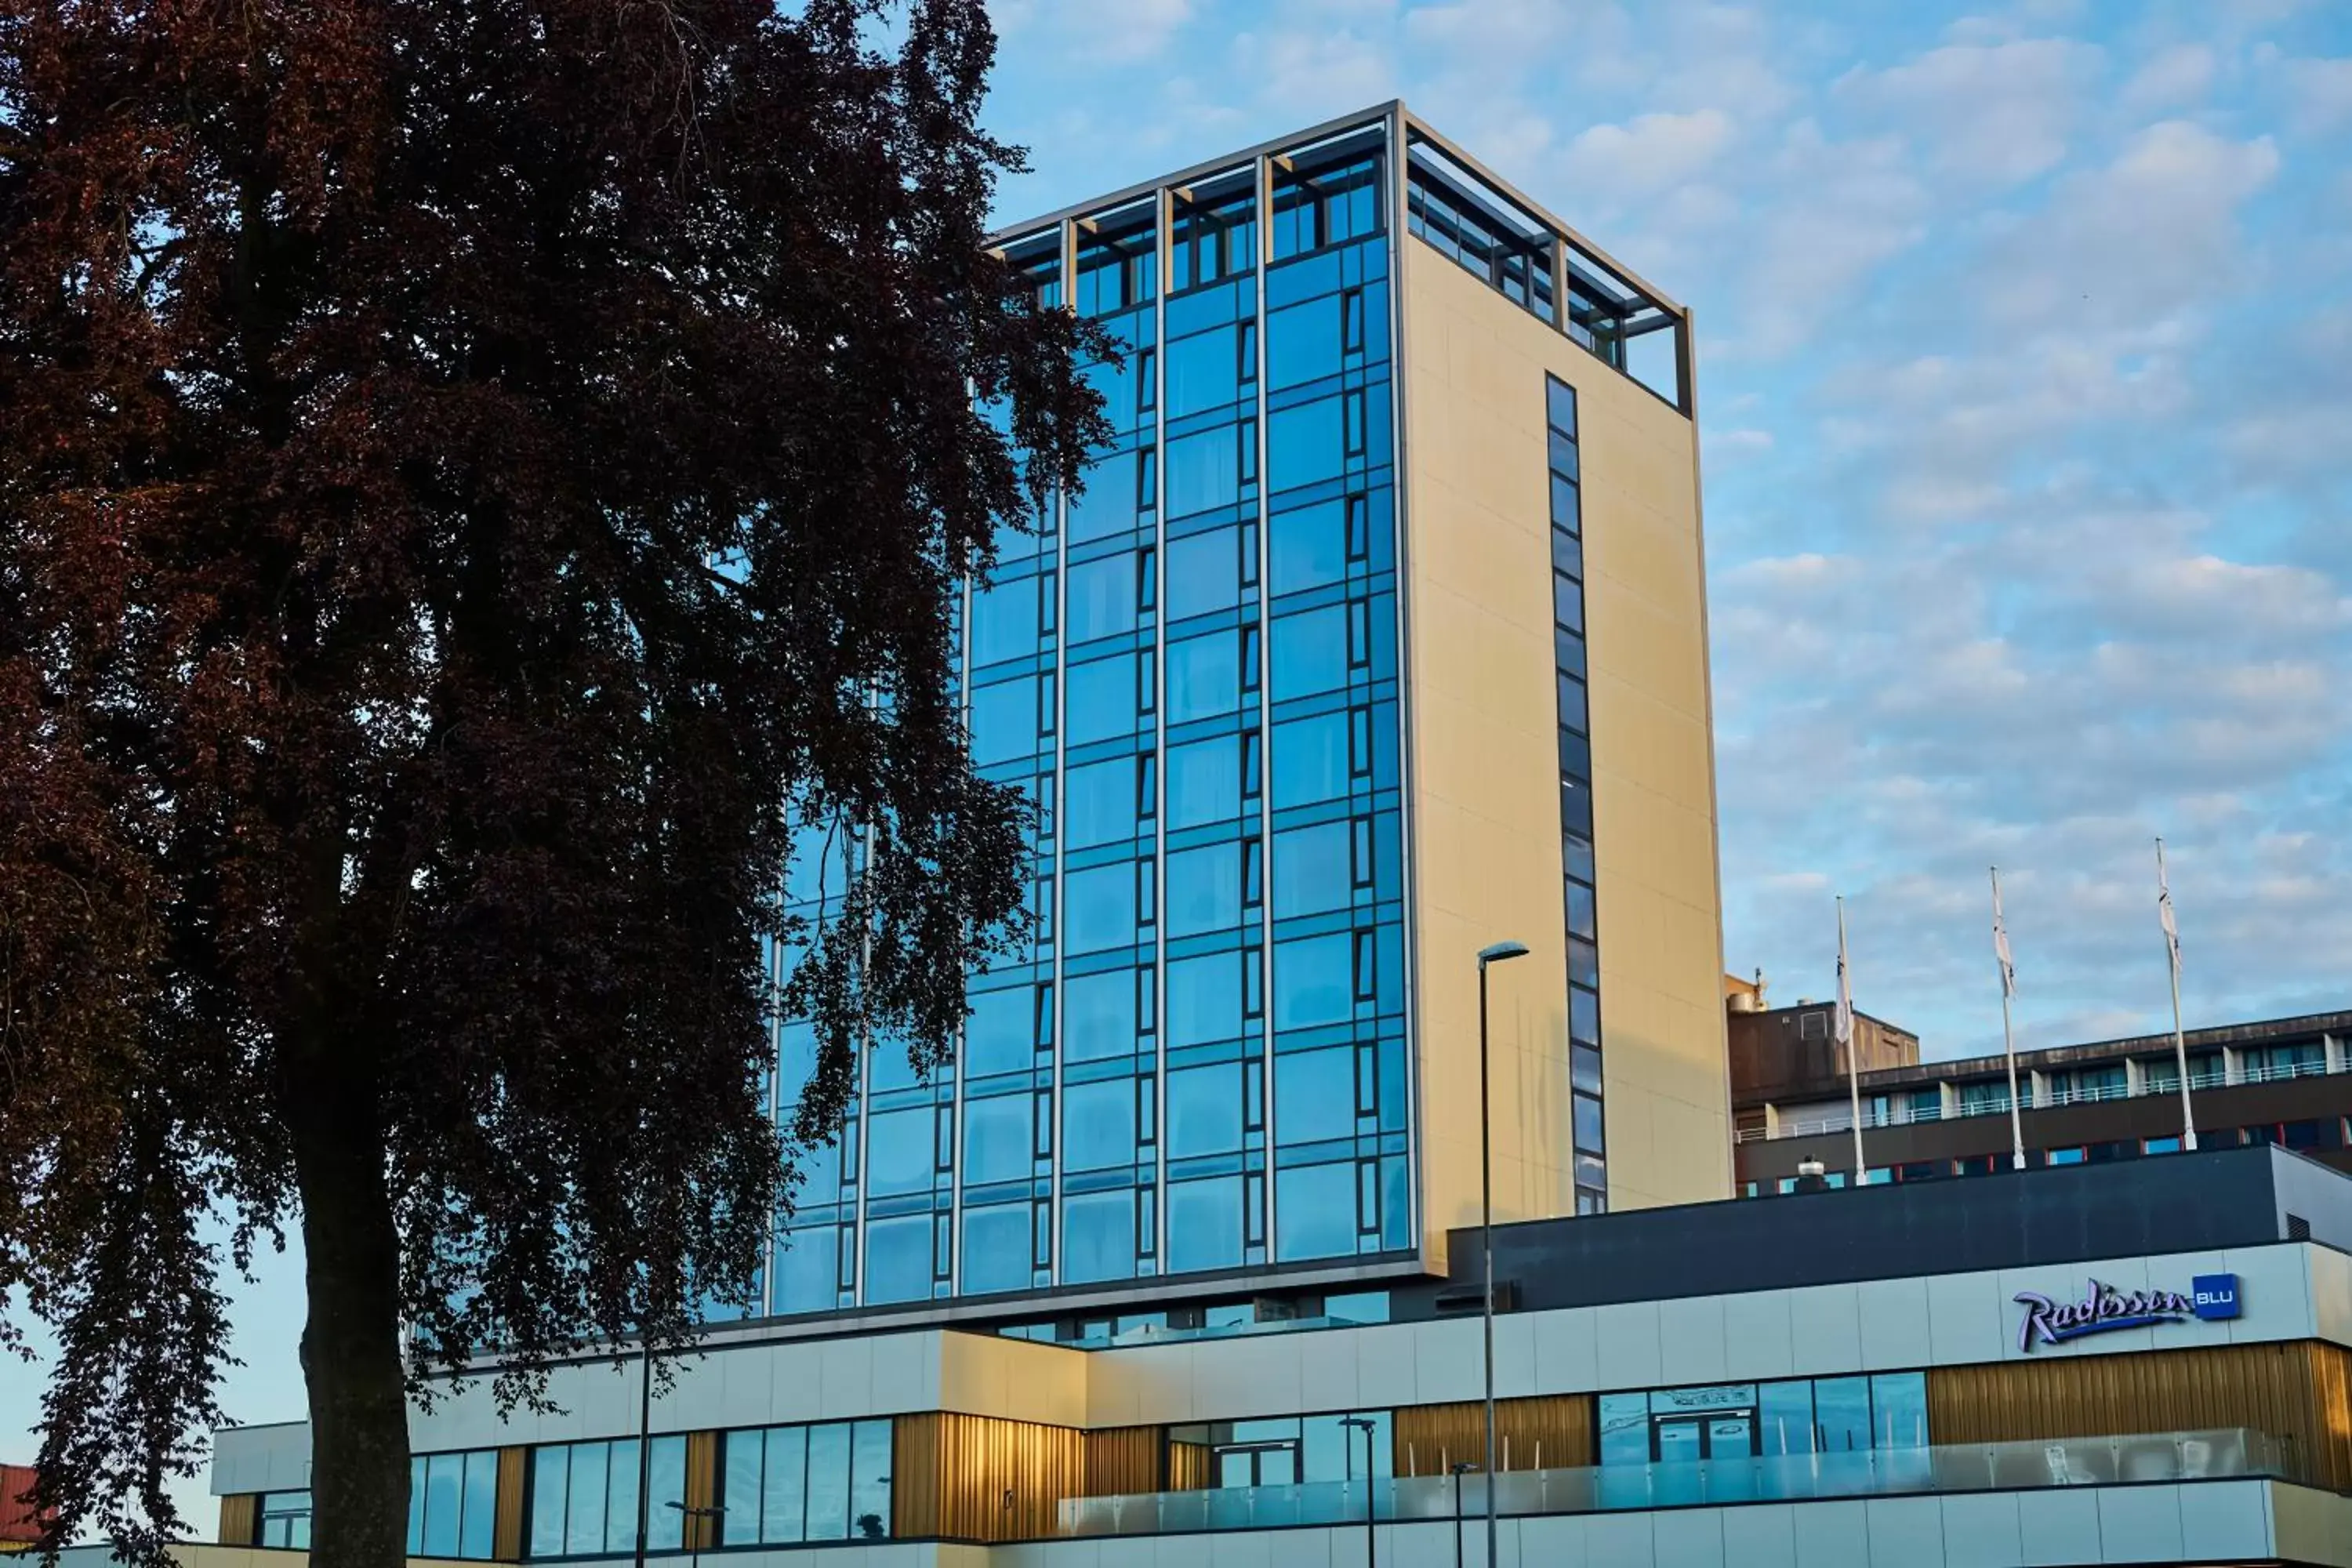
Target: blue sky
(2025, 377)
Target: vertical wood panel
(974, 1477)
(2295, 1392)
(1190, 1467)
(1552, 1432)
(702, 1489)
(505, 1535)
(1125, 1459)
(240, 1519)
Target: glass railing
(2220, 1454)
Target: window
(1204, 677)
(1309, 546)
(1313, 870)
(284, 1519)
(1103, 596)
(995, 1140)
(583, 1497)
(1314, 981)
(996, 1241)
(1205, 370)
(1203, 573)
(1099, 1236)
(1204, 890)
(1098, 1124)
(1204, 1113)
(1204, 1224)
(1315, 1095)
(1100, 907)
(1314, 1211)
(1310, 652)
(1205, 999)
(1204, 782)
(1098, 1014)
(786, 1485)
(1314, 207)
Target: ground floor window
(1744, 1420)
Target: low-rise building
(2135, 1363)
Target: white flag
(2001, 942)
(2164, 911)
(1846, 987)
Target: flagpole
(2008, 1033)
(1845, 1039)
(2172, 953)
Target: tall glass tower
(1377, 633)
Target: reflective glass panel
(1099, 1236)
(1204, 782)
(1098, 1014)
(1314, 1211)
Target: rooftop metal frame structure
(1576, 265)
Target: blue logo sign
(2214, 1295)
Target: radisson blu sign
(2105, 1309)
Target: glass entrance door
(1257, 1465)
(1724, 1435)
(1732, 1437)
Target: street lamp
(1460, 1467)
(690, 1525)
(1365, 1424)
(1497, 954)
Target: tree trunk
(350, 1346)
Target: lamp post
(1497, 954)
(1364, 1423)
(690, 1526)
(1460, 1465)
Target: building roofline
(1372, 115)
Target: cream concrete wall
(1484, 811)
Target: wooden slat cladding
(240, 1518)
(506, 1533)
(1125, 1460)
(701, 1532)
(1549, 1433)
(973, 1477)
(1191, 1467)
(2297, 1392)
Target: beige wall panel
(1484, 811)
(987, 1375)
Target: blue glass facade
(1200, 1061)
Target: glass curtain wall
(1190, 668)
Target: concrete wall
(1485, 777)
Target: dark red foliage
(469, 474)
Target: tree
(473, 478)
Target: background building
(1378, 634)
(2284, 1081)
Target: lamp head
(1500, 951)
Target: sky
(2024, 348)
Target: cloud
(2175, 78)
(1998, 112)
(1123, 34)
(1648, 152)
(2320, 92)
(2151, 234)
